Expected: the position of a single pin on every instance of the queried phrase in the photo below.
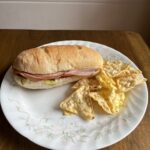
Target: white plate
(35, 114)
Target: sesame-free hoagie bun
(53, 59)
(56, 62)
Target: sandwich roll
(51, 66)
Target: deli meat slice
(83, 72)
(39, 76)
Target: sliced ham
(83, 72)
(39, 76)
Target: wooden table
(129, 43)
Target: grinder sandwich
(51, 66)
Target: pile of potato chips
(107, 90)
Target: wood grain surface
(129, 43)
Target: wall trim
(73, 16)
(78, 1)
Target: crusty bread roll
(51, 59)
(51, 66)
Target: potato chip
(114, 67)
(125, 83)
(110, 93)
(105, 80)
(101, 101)
(125, 76)
(79, 103)
(111, 102)
(128, 79)
(92, 83)
(67, 113)
(116, 101)
(82, 82)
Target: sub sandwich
(51, 66)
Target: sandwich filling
(82, 72)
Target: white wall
(75, 14)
